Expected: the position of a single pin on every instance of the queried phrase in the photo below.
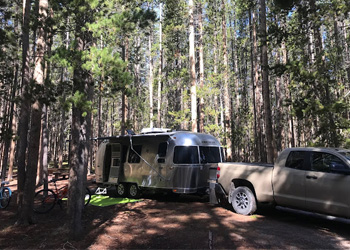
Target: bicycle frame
(61, 192)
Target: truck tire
(243, 200)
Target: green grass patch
(104, 200)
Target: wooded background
(259, 75)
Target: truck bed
(258, 174)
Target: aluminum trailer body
(173, 161)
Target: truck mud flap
(216, 193)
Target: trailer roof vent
(154, 130)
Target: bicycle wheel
(87, 197)
(44, 201)
(5, 197)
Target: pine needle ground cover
(104, 200)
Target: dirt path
(185, 222)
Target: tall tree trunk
(192, 69)
(45, 146)
(226, 92)
(12, 150)
(285, 78)
(61, 135)
(235, 103)
(24, 116)
(258, 125)
(25, 214)
(10, 130)
(159, 95)
(150, 80)
(78, 157)
(125, 105)
(137, 84)
(201, 67)
(89, 86)
(253, 79)
(14, 107)
(347, 52)
(64, 77)
(217, 98)
(265, 85)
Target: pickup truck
(312, 179)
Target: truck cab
(312, 179)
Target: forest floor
(168, 222)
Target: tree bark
(192, 69)
(226, 94)
(10, 130)
(265, 84)
(201, 68)
(23, 124)
(78, 157)
(125, 105)
(150, 80)
(160, 70)
(26, 211)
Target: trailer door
(115, 163)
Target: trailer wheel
(133, 191)
(243, 200)
(121, 189)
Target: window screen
(186, 155)
(133, 157)
(296, 160)
(209, 155)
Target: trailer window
(209, 155)
(134, 157)
(186, 155)
(162, 147)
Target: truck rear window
(186, 155)
(296, 159)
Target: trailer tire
(121, 189)
(133, 191)
(243, 200)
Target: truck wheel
(243, 201)
(121, 189)
(133, 191)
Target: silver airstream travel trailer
(172, 161)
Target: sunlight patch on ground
(171, 225)
(201, 216)
(236, 236)
(152, 231)
(183, 219)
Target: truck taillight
(218, 172)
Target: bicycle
(46, 199)
(5, 195)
